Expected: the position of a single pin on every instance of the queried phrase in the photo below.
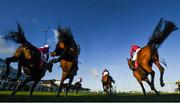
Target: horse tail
(16, 36)
(161, 32)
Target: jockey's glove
(53, 54)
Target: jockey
(45, 51)
(105, 72)
(134, 49)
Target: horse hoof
(13, 94)
(162, 84)
(4, 76)
(30, 95)
(157, 94)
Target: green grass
(87, 97)
(25, 93)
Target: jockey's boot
(49, 66)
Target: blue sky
(105, 30)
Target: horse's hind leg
(150, 71)
(21, 85)
(152, 87)
(161, 69)
(33, 86)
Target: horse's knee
(152, 72)
(162, 70)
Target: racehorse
(77, 86)
(141, 75)
(68, 52)
(149, 53)
(107, 81)
(28, 58)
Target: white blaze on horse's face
(105, 73)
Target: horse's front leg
(77, 89)
(8, 61)
(33, 86)
(143, 89)
(69, 84)
(152, 87)
(60, 87)
(19, 70)
(148, 68)
(20, 85)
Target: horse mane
(65, 36)
(161, 32)
(18, 36)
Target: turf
(86, 97)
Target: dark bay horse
(77, 86)
(67, 51)
(141, 75)
(28, 58)
(107, 81)
(149, 53)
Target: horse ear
(59, 28)
(20, 30)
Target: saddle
(31, 56)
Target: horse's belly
(66, 65)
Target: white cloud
(55, 35)
(94, 72)
(5, 48)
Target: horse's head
(130, 64)
(64, 34)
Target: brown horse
(141, 75)
(107, 81)
(149, 54)
(68, 52)
(28, 58)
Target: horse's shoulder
(147, 47)
(62, 45)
